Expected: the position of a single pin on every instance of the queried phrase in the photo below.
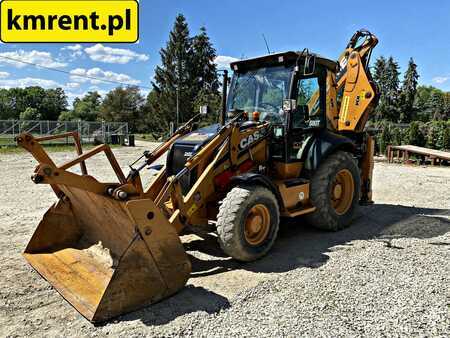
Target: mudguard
(324, 144)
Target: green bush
(385, 137)
(446, 136)
(415, 134)
(397, 136)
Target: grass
(53, 148)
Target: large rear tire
(247, 223)
(334, 191)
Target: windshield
(261, 90)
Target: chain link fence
(90, 132)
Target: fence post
(79, 130)
(65, 130)
(103, 131)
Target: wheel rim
(342, 191)
(257, 225)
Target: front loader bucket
(104, 254)
(107, 257)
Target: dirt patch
(388, 274)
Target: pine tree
(408, 92)
(205, 73)
(379, 73)
(204, 68)
(380, 77)
(173, 81)
(436, 105)
(185, 80)
(392, 88)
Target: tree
(385, 137)
(392, 91)
(386, 75)
(30, 114)
(379, 76)
(204, 68)
(436, 105)
(379, 73)
(173, 83)
(204, 74)
(6, 108)
(408, 92)
(47, 102)
(124, 105)
(84, 109)
(185, 80)
(415, 135)
(52, 104)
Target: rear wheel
(334, 191)
(247, 223)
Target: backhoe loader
(290, 141)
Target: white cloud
(101, 53)
(33, 56)
(72, 85)
(223, 61)
(28, 82)
(75, 51)
(73, 48)
(440, 79)
(4, 75)
(77, 75)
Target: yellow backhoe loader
(290, 142)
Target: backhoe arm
(354, 83)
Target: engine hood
(200, 136)
(185, 147)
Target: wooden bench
(402, 154)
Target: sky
(418, 29)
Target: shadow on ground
(298, 245)
(190, 299)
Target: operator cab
(289, 91)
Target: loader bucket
(107, 257)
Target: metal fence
(89, 131)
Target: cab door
(309, 115)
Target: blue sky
(405, 28)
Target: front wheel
(334, 191)
(247, 223)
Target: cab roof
(285, 58)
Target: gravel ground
(386, 275)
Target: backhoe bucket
(107, 257)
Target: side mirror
(310, 65)
(204, 110)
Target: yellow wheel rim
(257, 224)
(342, 191)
